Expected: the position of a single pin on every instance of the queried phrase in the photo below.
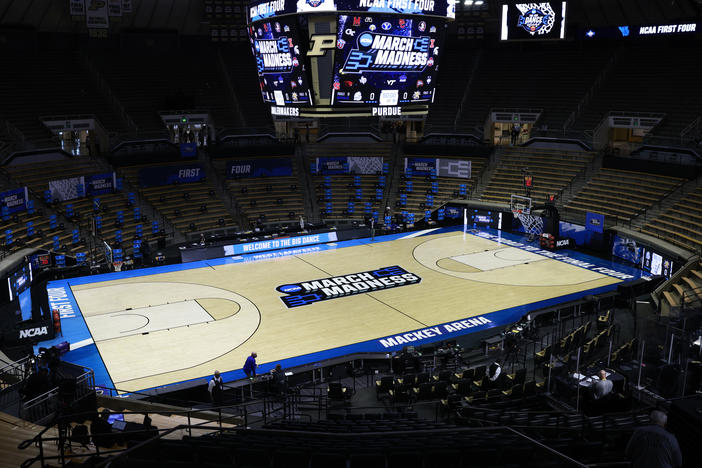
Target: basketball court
(150, 328)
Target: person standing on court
(215, 388)
(250, 366)
(653, 446)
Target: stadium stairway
(666, 203)
(581, 180)
(621, 195)
(680, 224)
(394, 176)
(484, 180)
(13, 431)
(554, 171)
(305, 182)
(458, 63)
(218, 181)
(683, 289)
(192, 207)
(264, 200)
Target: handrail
(221, 418)
(44, 401)
(695, 300)
(13, 131)
(342, 435)
(121, 393)
(13, 365)
(635, 114)
(694, 126)
(547, 448)
(516, 110)
(161, 433)
(554, 412)
(678, 274)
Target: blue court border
(75, 329)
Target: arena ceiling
(188, 16)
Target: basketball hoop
(533, 225)
(521, 208)
(117, 266)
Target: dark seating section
(457, 63)
(383, 443)
(137, 79)
(448, 187)
(623, 195)
(245, 82)
(266, 199)
(553, 172)
(681, 224)
(500, 81)
(477, 416)
(584, 438)
(49, 81)
(189, 207)
(629, 83)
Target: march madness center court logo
(305, 293)
(536, 18)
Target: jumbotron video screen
(386, 60)
(280, 64)
(531, 21)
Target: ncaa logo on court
(289, 288)
(305, 293)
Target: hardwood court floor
(170, 327)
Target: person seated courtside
(603, 387)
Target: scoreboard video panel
(386, 60)
(533, 21)
(280, 64)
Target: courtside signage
(281, 243)
(309, 292)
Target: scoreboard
(385, 60)
(329, 58)
(282, 74)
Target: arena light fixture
(468, 2)
(479, 2)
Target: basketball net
(117, 266)
(533, 225)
